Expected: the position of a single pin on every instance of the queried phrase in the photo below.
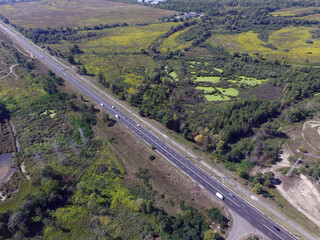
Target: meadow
(293, 11)
(173, 43)
(218, 93)
(56, 13)
(293, 44)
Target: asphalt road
(231, 200)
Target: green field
(55, 13)
(292, 11)
(248, 81)
(208, 79)
(211, 94)
(173, 43)
(290, 43)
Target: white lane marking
(272, 231)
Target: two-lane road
(234, 202)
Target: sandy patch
(6, 171)
(302, 194)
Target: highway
(231, 200)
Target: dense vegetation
(72, 186)
(225, 129)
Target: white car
(117, 116)
(138, 125)
(101, 104)
(113, 107)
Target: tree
(257, 188)
(4, 113)
(71, 59)
(198, 139)
(75, 49)
(101, 78)
(84, 70)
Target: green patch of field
(248, 81)
(218, 70)
(173, 75)
(55, 13)
(207, 90)
(132, 38)
(208, 79)
(211, 93)
(216, 98)
(173, 43)
(291, 44)
(232, 92)
(292, 11)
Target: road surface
(231, 200)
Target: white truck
(219, 195)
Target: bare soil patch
(302, 193)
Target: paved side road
(234, 202)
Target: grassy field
(208, 79)
(173, 43)
(294, 44)
(292, 11)
(211, 93)
(55, 13)
(132, 38)
(248, 81)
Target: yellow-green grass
(115, 66)
(173, 43)
(173, 75)
(292, 11)
(290, 43)
(248, 81)
(131, 38)
(208, 79)
(54, 13)
(206, 90)
(225, 95)
(12, 204)
(218, 70)
(311, 17)
(232, 92)
(215, 98)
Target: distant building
(190, 15)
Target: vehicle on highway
(231, 194)
(113, 107)
(276, 228)
(219, 195)
(101, 104)
(117, 116)
(138, 125)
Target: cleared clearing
(55, 13)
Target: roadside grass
(290, 43)
(113, 66)
(55, 13)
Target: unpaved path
(11, 71)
